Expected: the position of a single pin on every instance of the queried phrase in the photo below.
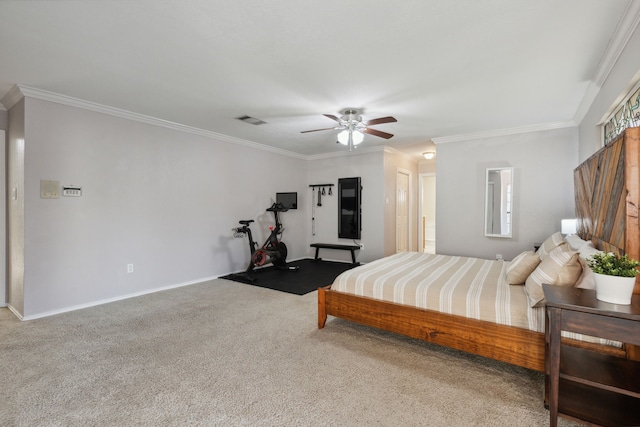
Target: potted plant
(615, 276)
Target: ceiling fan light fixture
(343, 137)
(357, 137)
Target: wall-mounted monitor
(288, 200)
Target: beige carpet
(226, 354)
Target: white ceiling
(441, 67)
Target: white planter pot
(614, 289)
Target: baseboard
(109, 300)
(133, 295)
(14, 311)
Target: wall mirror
(498, 202)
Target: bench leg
(317, 250)
(353, 256)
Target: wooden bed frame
(510, 344)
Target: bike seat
(246, 221)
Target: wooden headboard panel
(607, 193)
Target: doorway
(427, 213)
(403, 180)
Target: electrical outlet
(361, 247)
(129, 268)
(499, 257)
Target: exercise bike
(273, 250)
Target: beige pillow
(521, 267)
(548, 271)
(548, 245)
(570, 272)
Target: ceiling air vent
(251, 120)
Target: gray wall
(369, 167)
(162, 200)
(4, 119)
(543, 164)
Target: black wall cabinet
(349, 212)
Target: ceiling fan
(353, 128)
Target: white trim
(14, 311)
(20, 91)
(109, 300)
(627, 25)
(503, 132)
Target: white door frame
(4, 287)
(420, 210)
(409, 204)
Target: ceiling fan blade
(316, 130)
(375, 132)
(332, 117)
(381, 120)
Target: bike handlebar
(277, 207)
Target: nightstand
(584, 384)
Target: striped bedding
(449, 284)
(470, 287)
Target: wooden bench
(351, 248)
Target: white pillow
(574, 241)
(587, 250)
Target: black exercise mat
(310, 276)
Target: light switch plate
(71, 191)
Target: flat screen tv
(288, 200)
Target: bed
(511, 335)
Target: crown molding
(624, 31)
(619, 40)
(12, 97)
(503, 132)
(19, 91)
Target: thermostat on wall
(49, 189)
(71, 191)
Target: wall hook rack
(321, 192)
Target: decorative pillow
(587, 250)
(521, 267)
(570, 272)
(548, 245)
(574, 241)
(548, 271)
(587, 279)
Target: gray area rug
(222, 353)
